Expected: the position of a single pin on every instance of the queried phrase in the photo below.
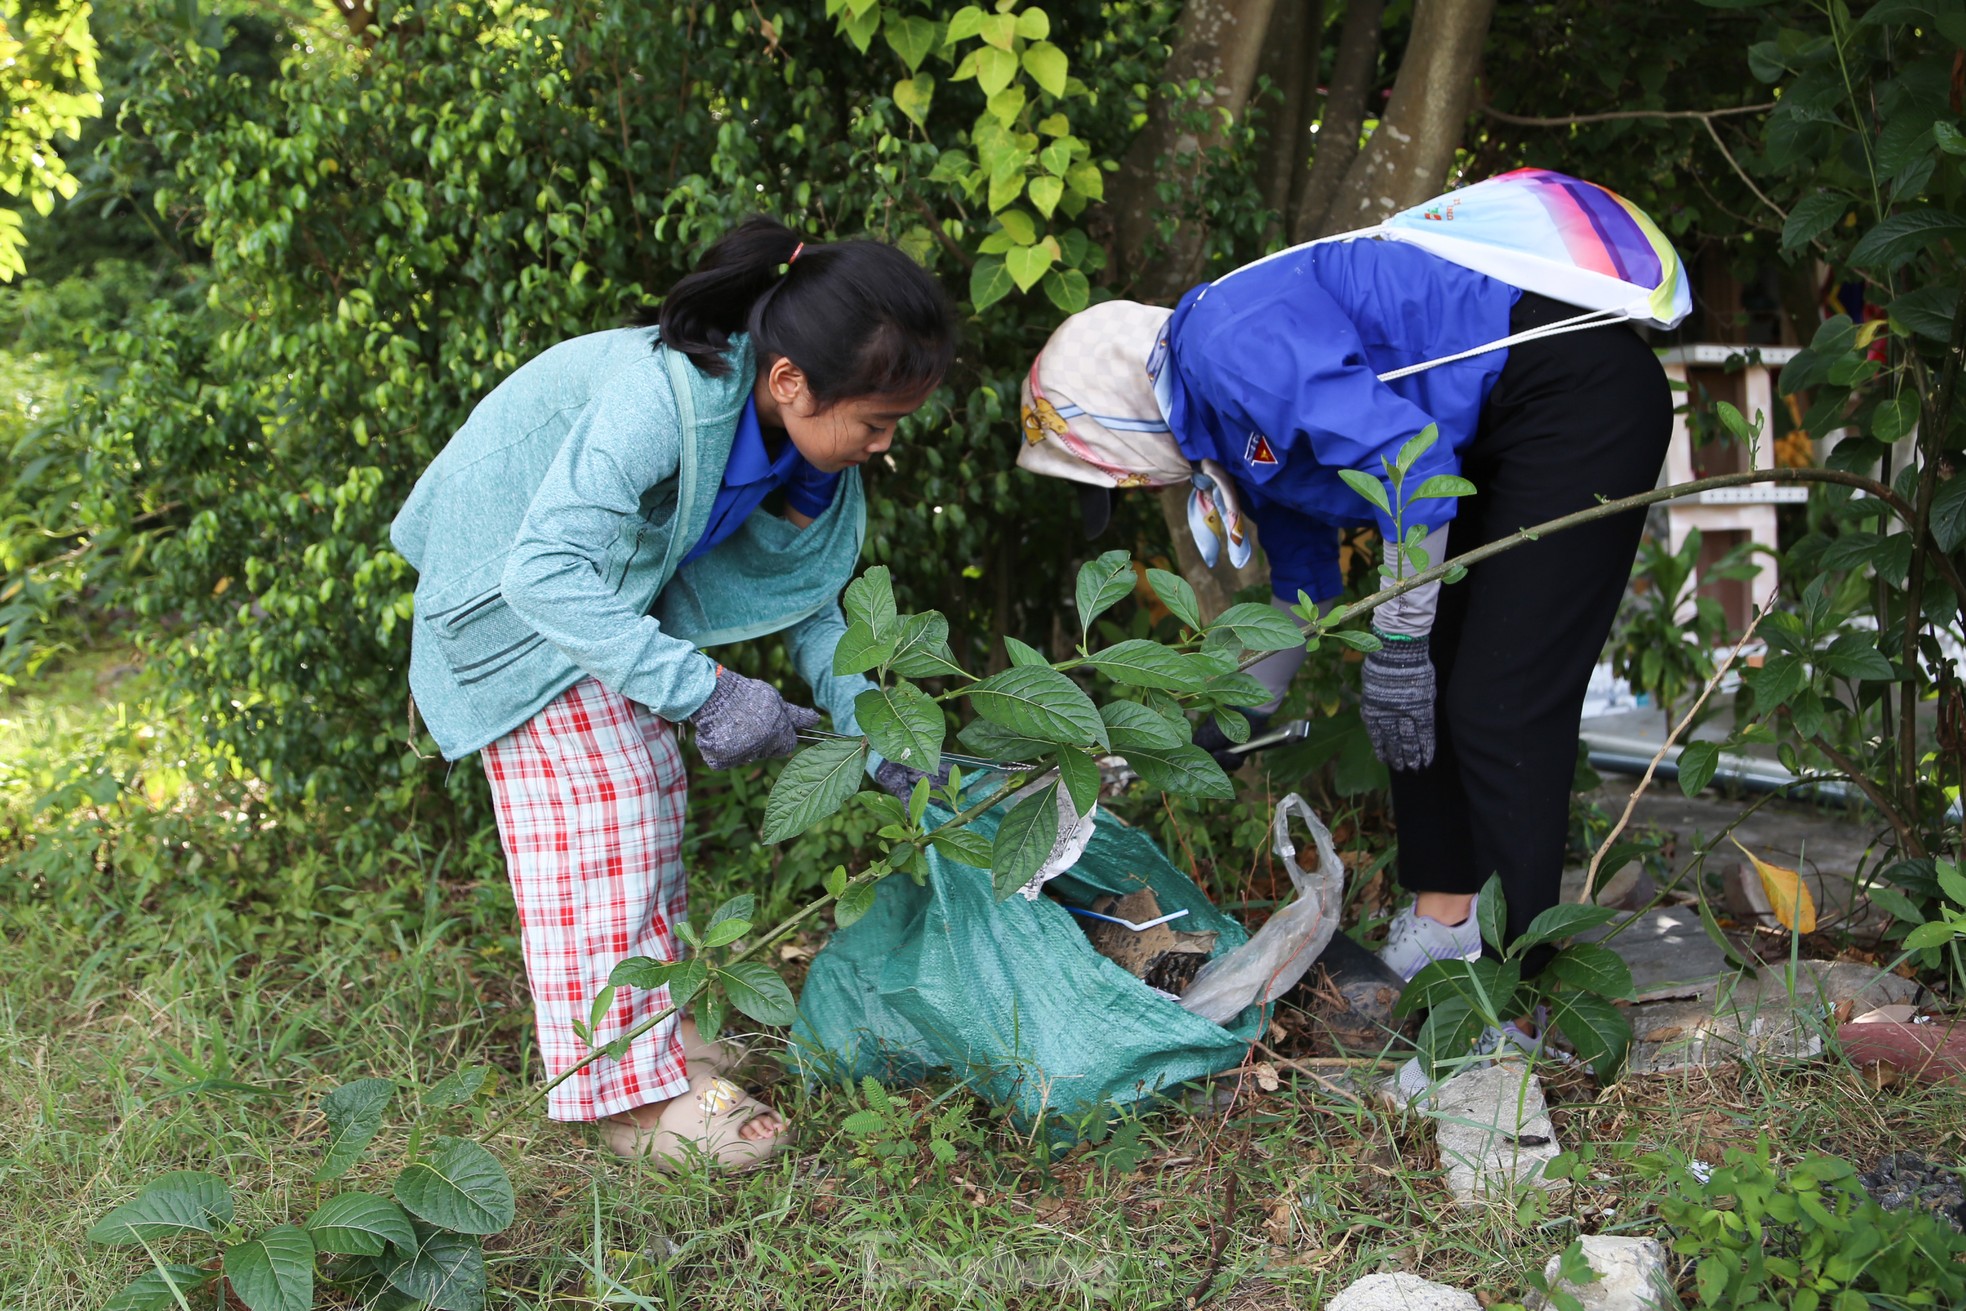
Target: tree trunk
(1353, 75)
(1407, 158)
(1290, 60)
(1220, 46)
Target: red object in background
(1932, 1052)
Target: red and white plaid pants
(590, 794)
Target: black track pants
(1572, 418)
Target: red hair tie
(795, 253)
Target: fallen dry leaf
(1788, 896)
(1266, 1076)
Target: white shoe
(1413, 941)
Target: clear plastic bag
(1271, 962)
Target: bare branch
(1571, 120)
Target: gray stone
(1829, 986)
(1669, 953)
(1401, 1292)
(1493, 1130)
(1747, 1019)
(1631, 1276)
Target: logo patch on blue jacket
(1258, 451)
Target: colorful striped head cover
(1090, 416)
(1558, 236)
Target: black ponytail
(858, 318)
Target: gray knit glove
(899, 781)
(746, 721)
(1398, 706)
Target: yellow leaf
(218, 588)
(1788, 895)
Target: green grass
(180, 1020)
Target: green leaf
(964, 846)
(1085, 178)
(1416, 446)
(1233, 726)
(1024, 840)
(722, 935)
(1442, 486)
(1038, 701)
(1027, 264)
(1045, 193)
(1598, 1031)
(1779, 678)
(836, 880)
(457, 1184)
(1068, 289)
(743, 908)
(1563, 921)
(869, 599)
(1138, 662)
(681, 977)
(1034, 24)
(354, 1113)
(994, 69)
(999, 30)
(1811, 217)
(1492, 914)
(152, 1290)
(1132, 726)
(913, 95)
(1855, 655)
(860, 650)
(1258, 627)
(1948, 514)
(853, 904)
(1369, 487)
(1183, 770)
(989, 282)
(1896, 417)
(921, 647)
(446, 1270)
(457, 1087)
(1893, 242)
(1102, 584)
(963, 24)
(1934, 933)
(912, 38)
(359, 1224)
(1178, 595)
(999, 743)
(1080, 774)
(274, 1272)
(813, 785)
(1590, 967)
(904, 724)
(1048, 66)
(755, 988)
(176, 1202)
(1697, 764)
(1022, 653)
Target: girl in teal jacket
(603, 516)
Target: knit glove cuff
(745, 720)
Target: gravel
(1901, 1179)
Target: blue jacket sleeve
(1294, 371)
(625, 440)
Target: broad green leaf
(921, 647)
(1234, 726)
(1027, 264)
(1948, 517)
(836, 881)
(681, 977)
(996, 742)
(755, 988)
(743, 907)
(994, 69)
(457, 1184)
(1068, 289)
(1593, 968)
(912, 38)
(1598, 1031)
(1024, 840)
(1811, 217)
(1132, 726)
(354, 1114)
(359, 1224)
(1048, 66)
(176, 1202)
(1019, 227)
(1450, 1030)
(1441, 486)
(964, 846)
(1893, 242)
(1258, 627)
(1697, 764)
(870, 600)
(813, 785)
(1037, 701)
(722, 935)
(1416, 446)
(1184, 770)
(1045, 193)
(1021, 653)
(153, 1289)
(274, 1272)
(1779, 678)
(1563, 921)
(855, 902)
(1855, 655)
(1896, 417)
(1433, 984)
(1934, 933)
(904, 724)
(860, 649)
(457, 1087)
(860, 26)
(1080, 774)
(1085, 178)
(963, 24)
(1034, 24)
(446, 1270)
(999, 30)
(1492, 914)
(1007, 104)
(1369, 487)
(913, 95)
(989, 282)
(1178, 595)
(1102, 584)
(1138, 662)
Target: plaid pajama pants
(590, 795)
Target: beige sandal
(719, 1057)
(705, 1122)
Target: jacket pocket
(474, 630)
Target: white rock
(1493, 1130)
(1401, 1292)
(1631, 1276)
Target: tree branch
(1571, 120)
(1741, 172)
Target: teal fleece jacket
(547, 538)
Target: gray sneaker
(1413, 941)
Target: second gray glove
(745, 721)
(1398, 705)
(898, 780)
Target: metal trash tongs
(948, 757)
(1295, 731)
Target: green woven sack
(941, 978)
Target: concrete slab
(1400, 1291)
(1631, 1276)
(1493, 1129)
(1669, 953)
